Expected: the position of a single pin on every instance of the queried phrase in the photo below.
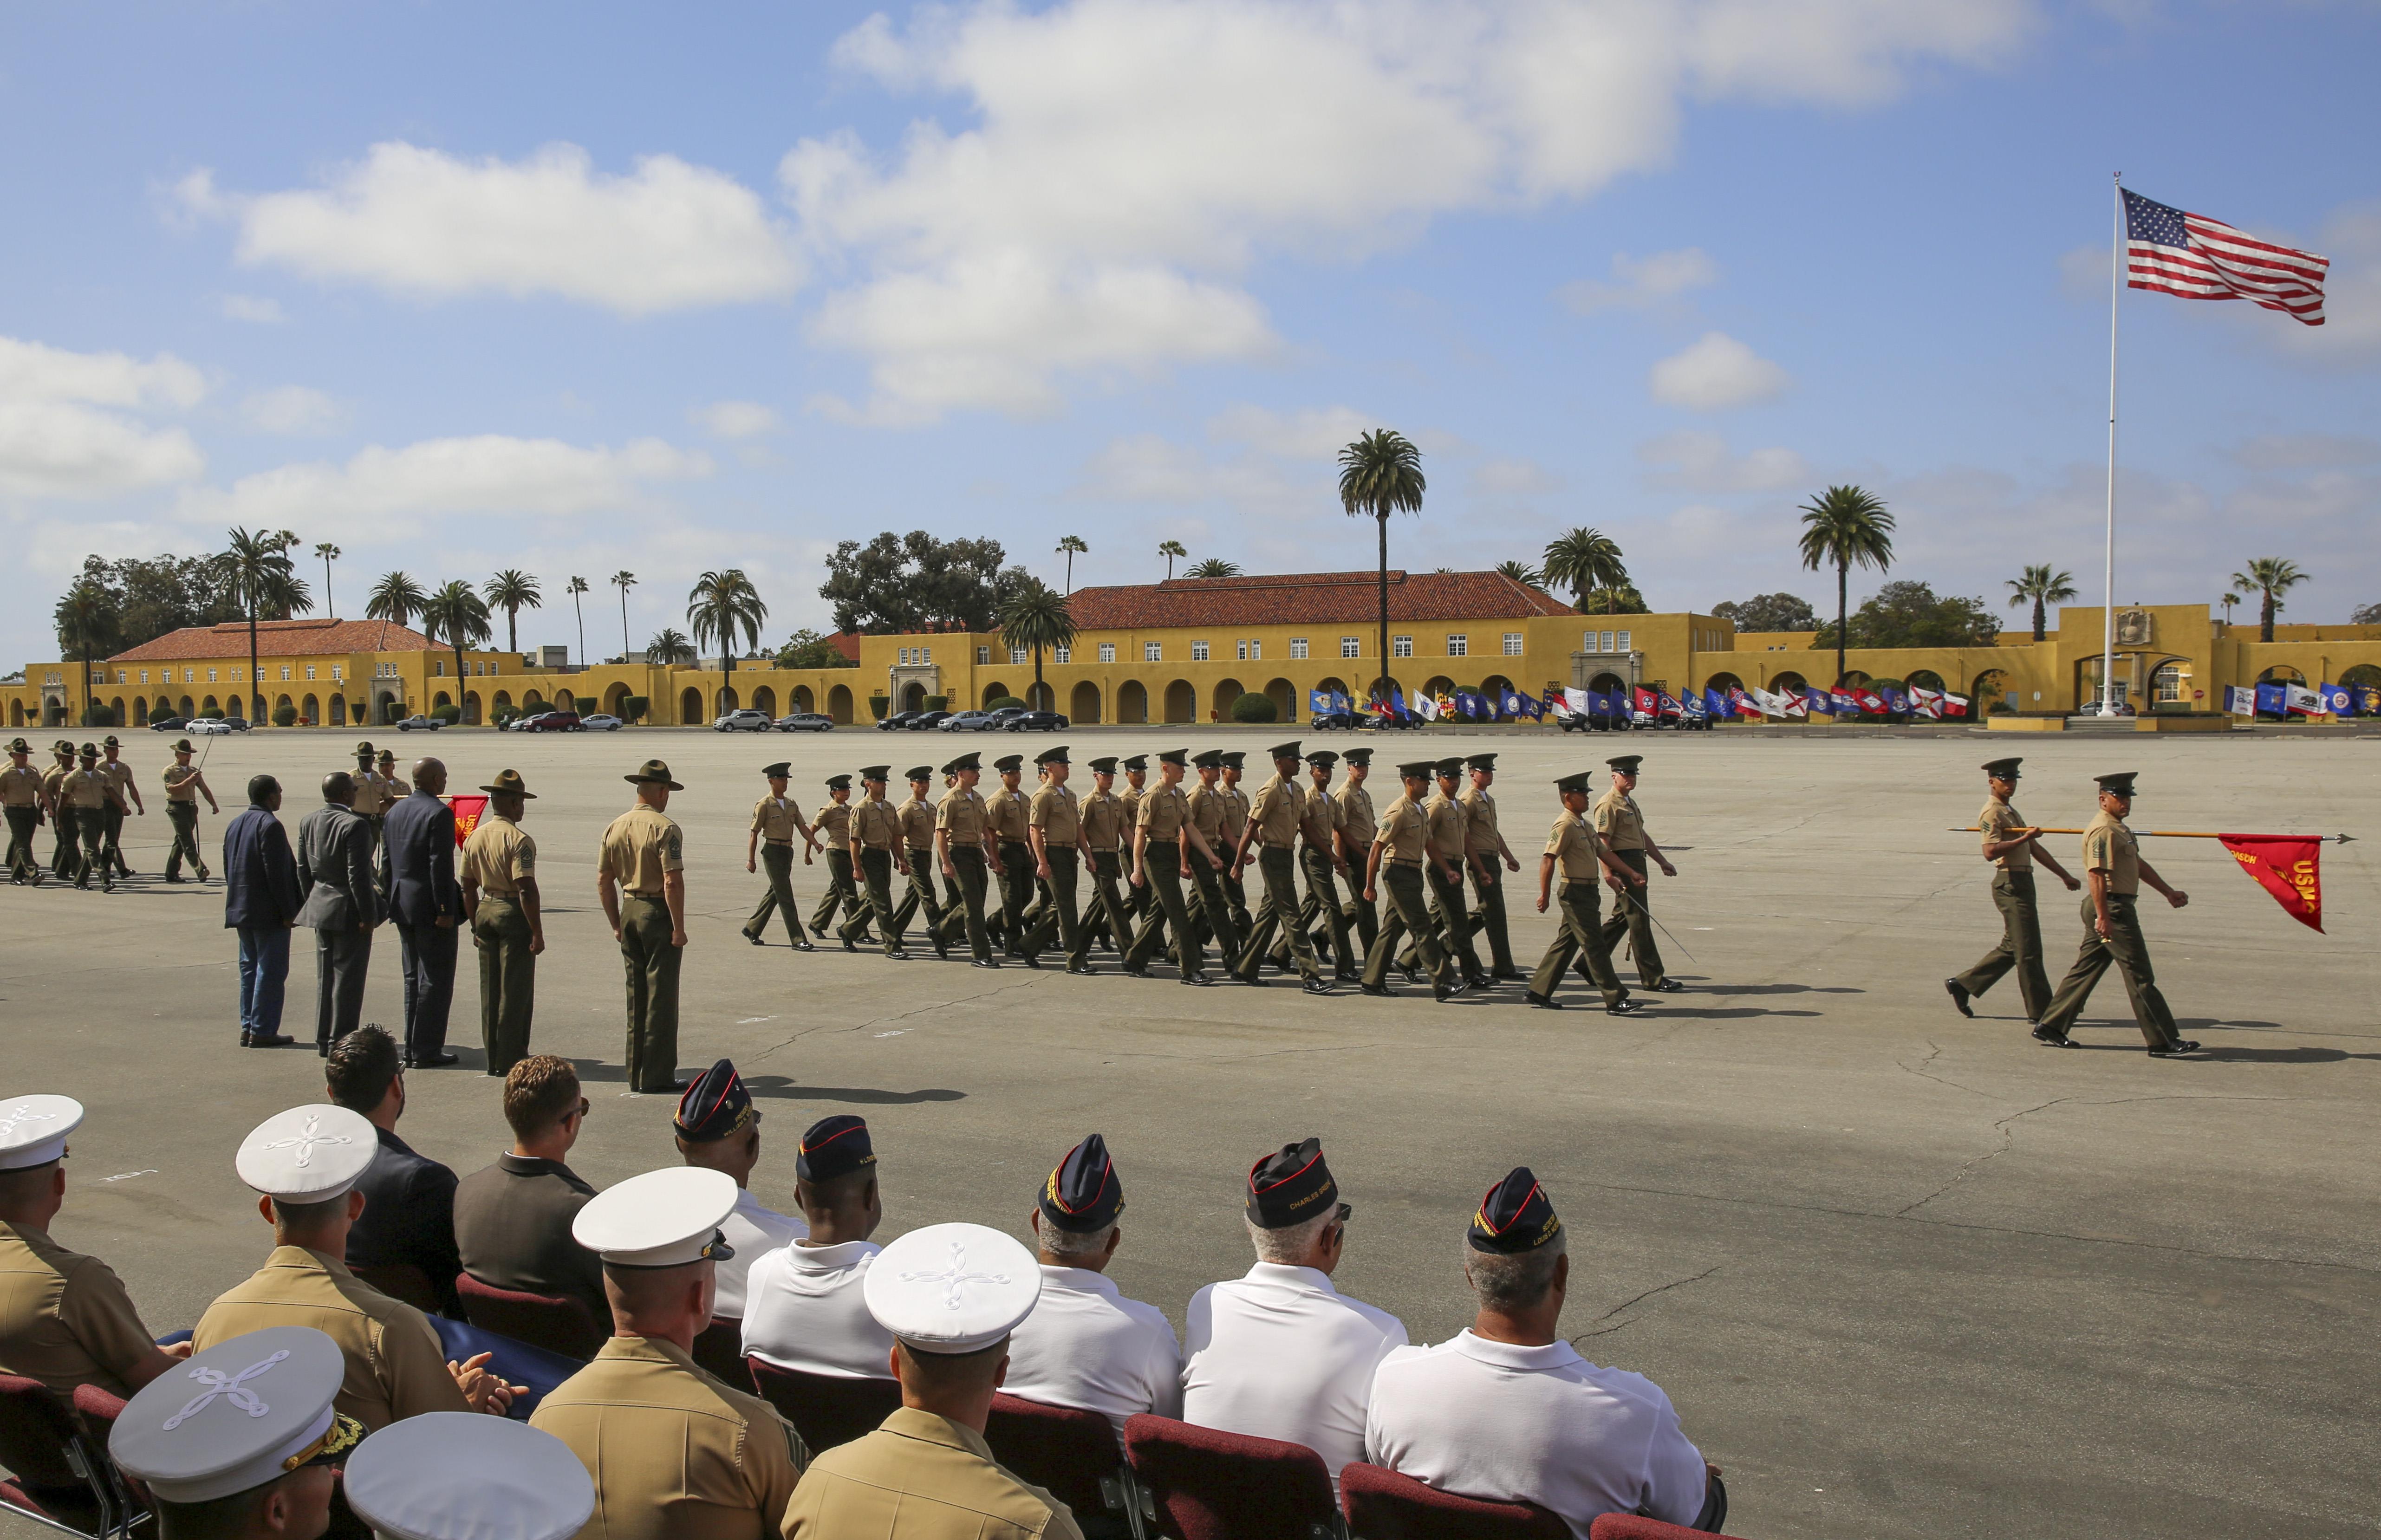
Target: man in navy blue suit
(260, 901)
(417, 835)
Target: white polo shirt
(1088, 1347)
(803, 1310)
(751, 1231)
(1282, 1355)
(1506, 1424)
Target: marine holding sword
(2009, 845)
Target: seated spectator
(512, 1220)
(1506, 1412)
(804, 1307)
(1280, 1353)
(305, 1163)
(1086, 1346)
(64, 1318)
(719, 1127)
(409, 1217)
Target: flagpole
(2108, 592)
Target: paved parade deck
(1901, 1273)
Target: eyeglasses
(1347, 1211)
(583, 1107)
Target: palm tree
(258, 578)
(2043, 587)
(1584, 560)
(1522, 572)
(513, 590)
(88, 625)
(329, 552)
(1170, 549)
(461, 617)
(1214, 566)
(396, 598)
(2272, 577)
(624, 581)
(1035, 618)
(1070, 546)
(2229, 599)
(719, 606)
(669, 645)
(578, 586)
(1380, 474)
(1844, 527)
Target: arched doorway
(1084, 706)
(1493, 687)
(1789, 682)
(839, 704)
(565, 701)
(140, 711)
(1606, 682)
(1225, 693)
(211, 706)
(1723, 682)
(802, 697)
(534, 700)
(726, 699)
(441, 699)
(385, 708)
(1284, 698)
(993, 692)
(690, 707)
(16, 713)
(765, 700)
(615, 699)
(1925, 679)
(1437, 685)
(1132, 701)
(1182, 701)
(471, 708)
(913, 695)
(502, 702)
(2281, 673)
(186, 706)
(338, 711)
(1855, 678)
(1331, 684)
(1038, 695)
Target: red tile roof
(277, 639)
(846, 642)
(1319, 598)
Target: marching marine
(2010, 846)
(1162, 828)
(1006, 815)
(63, 829)
(119, 783)
(1102, 817)
(962, 846)
(1484, 846)
(1400, 847)
(1574, 848)
(775, 820)
(1055, 826)
(185, 784)
(2112, 930)
(1236, 822)
(1211, 911)
(21, 795)
(1320, 857)
(1274, 819)
(917, 817)
(1623, 828)
(1449, 917)
(641, 880)
(834, 827)
(86, 796)
(1356, 829)
(876, 845)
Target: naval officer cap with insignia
(495, 1480)
(241, 1439)
(306, 1155)
(952, 1290)
(661, 1219)
(33, 1129)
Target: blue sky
(579, 288)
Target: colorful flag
(1895, 701)
(2337, 699)
(1926, 703)
(1814, 699)
(1577, 700)
(2289, 866)
(467, 808)
(1642, 698)
(1740, 700)
(2273, 700)
(1716, 704)
(1319, 701)
(2239, 700)
(1954, 706)
(1871, 703)
(2194, 257)
(2301, 700)
(1398, 705)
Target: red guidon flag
(468, 807)
(2289, 865)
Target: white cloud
(666, 236)
(1514, 477)
(734, 419)
(1314, 433)
(488, 474)
(1697, 461)
(2083, 272)
(297, 410)
(57, 440)
(1715, 372)
(1641, 283)
(35, 372)
(1144, 468)
(254, 308)
(2307, 452)
(2352, 300)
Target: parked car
(926, 721)
(999, 720)
(1033, 721)
(208, 727)
(602, 722)
(899, 721)
(169, 724)
(805, 722)
(427, 724)
(747, 720)
(1332, 721)
(965, 722)
(549, 722)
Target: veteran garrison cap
(1290, 1186)
(1104, 765)
(2003, 769)
(952, 1288)
(509, 783)
(1007, 763)
(1480, 762)
(779, 771)
(834, 1147)
(1514, 1217)
(922, 772)
(969, 761)
(1625, 764)
(1358, 756)
(242, 1413)
(875, 771)
(33, 1129)
(1138, 762)
(1178, 757)
(1053, 756)
(665, 1218)
(653, 772)
(307, 1154)
(2119, 785)
(1208, 759)
(495, 1479)
(1082, 1195)
(715, 1105)
(1285, 751)
(838, 783)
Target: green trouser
(1106, 905)
(1211, 909)
(1237, 893)
(1278, 866)
(1363, 913)
(1161, 862)
(184, 817)
(1016, 893)
(1630, 914)
(112, 848)
(1488, 913)
(1449, 923)
(2020, 948)
(91, 824)
(841, 892)
(1058, 916)
(968, 913)
(651, 964)
(777, 862)
(22, 822)
(1579, 936)
(2125, 950)
(508, 978)
(1322, 904)
(1408, 911)
(877, 872)
(64, 826)
(921, 895)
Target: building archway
(800, 699)
(16, 713)
(140, 711)
(385, 708)
(1132, 701)
(765, 700)
(503, 701)
(185, 707)
(1038, 695)
(2361, 674)
(283, 701)
(1331, 684)
(1182, 701)
(1083, 705)
(533, 699)
(839, 704)
(471, 708)
(727, 700)
(1789, 682)
(441, 699)
(689, 706)
(615, 699)
(1723, 682)
(211, 706)
(1855, 678)
(1284, 696)
(1493, 687)
(1225, 693)
(1437, 685)
(1606, 683)
(1923, 679)
(993, 692)
(2281, 673)
(163, 708)
(913, 695)
(338, 711)
(565, 701)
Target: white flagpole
(2108, 594)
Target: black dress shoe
(849, 945)
(1668, 986)
(804, 946)
(1959, 998)
(1083, 969)
(942, 950)
(1508, 975)
(265, 1040)
(1030, 961)
(982, 962)
(2176, 1049)
(1382, 990)
(1198, 979)
(1316, 986)
(1540, 1002)
(1442, 993)
(898, 955)
(1625, 1008)
(1136, 973)
(2049, 1039)
(439, 1060)
(1255, 980)
(754, 939)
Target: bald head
(429, 775)
(340, 788)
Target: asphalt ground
(1901, 1273)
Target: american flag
(2194, 257)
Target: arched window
(992, 692)
(1224, 694)
(1723, 682)
(690, 707)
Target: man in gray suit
(335, 871)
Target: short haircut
(224, 1518)
(364, 1066)
(1514, 1281)
(1069, 1242)
(836, 1192)
(27, 1183)
(260, 788)
(539, 1093)
(338, 786)
(291, 1216)
(950, 1373)
(1290, 1243)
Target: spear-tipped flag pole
(2290, 866)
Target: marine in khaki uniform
(1449, 916)
(963, 850)
(1485, 848)
(21, 796)
(1008, 814)
(1235, 822)
(1357, 826)
(393, 788)
(2009, 845)
(834, 829)
(1274, 818)
(1401, 846)
(777, 821)
(1053, 827)
(305, 1163)
(500, 903)
(65, 834)
(917, 817)
(1163, 839)
(1574, 849)
(1211, 910)
(1623, 828)
(185, 784)
(1320, 857)
(674, 1454)
(126, 795)
(2112, 930)
(87, 798)
(1137, 900)
(876, 849)
(1103, 826)
(372, 796)
(640, 879)
(926, 1473)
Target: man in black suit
(409, 1217)
(335, 862)
(261, 899)
(427, 906)
(513, 1219)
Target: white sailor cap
(497, 1480)
(33, 1129)
(952, 1288)
(663, 1218)
(238, 1415)
(307, 1154)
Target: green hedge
(449, 713)
(936, 702)
(1252, 707)
(285, 716)
(1002, 702)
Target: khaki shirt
(834, 825)
(1480, 834)
(372, 793)
(1056, 812)
(1104, 818)
(1206, 804)
(52, 780)
(1355, 814)
(181, 783)
(920, 1478)
(1131, 797)
(1448, 824)
(84, 789)
(1618, 821)
(1163, 813)
(776, 819)
(676, 1455)
(1996, 823)
(499, 856)
(64, 1318)
(1403, 829)
(21, 786)
(396, 1366)
(918, 823)
(639, 848)
(1235, 812)
(1574, 843)
(1319, 822)
(875, 826)
(961, 816)
(2110, 846)
(1004, 814)
(119, 777)
(1278, 806)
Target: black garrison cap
(833, 1147)
(715, 1105)
(1514, 1217)
(1083, 1195)
(1290, 1186)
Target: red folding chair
(719, 1352)
(548, 1320)
(1632, 1526)
(1069, 1452)
(67, 1482)
(1383, 1505)
(826, 1410)
(1204, 1484)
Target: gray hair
(1072, 1244)
(1291, 1244)
(1515, 1282)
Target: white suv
(745, 721)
